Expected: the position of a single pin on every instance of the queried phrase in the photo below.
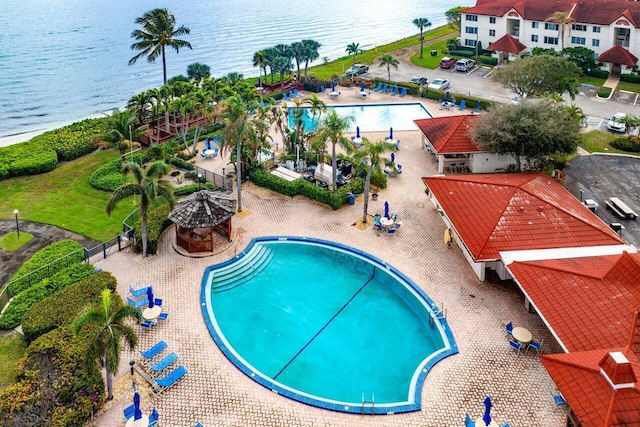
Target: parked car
(465, 64)
(357, 69)
(615, 125)
(419, 80)
(440, 84)
(447, 62)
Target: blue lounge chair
(153, 418)
(383, 89)
(468, 422)
(296, 93)
(377, 88)
(399, 167)
(137, 302)
(216, 141)
(516, 345)
(286, 97)
(129, 411)
(509, 328)
(198, 425)
(536, 345)
(164, 363)
(139, 292)
(154, 350)
(558, 399)
(158, 302)
(163, 316)
(391, 230)
(377, 225)
(322, 89)
(394, 91)
(147, 324)
(403, 92)
(171, 378)
(462, 105)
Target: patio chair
(462, 167)
(377, 225)
(452, 167)
(403, 92)
(377, 88)
(147, 324)
(198, 425)
(158, 302)
(462, 105)
(391, 230)
(509, 328)
(396, 144)
(468, 422)
(139, 292)
(399, 167)
(394, 91)
(163, 364)
(383, 89)
(137, 302)
(153, 418)
(536, 345)
(154, 350)
(516, 345)
(505, 425)
(216, 141)
(323, 89)
(295, 93)
(286, 97)
(171, 379)
(163, 316)
(558, 399)
(129, 411)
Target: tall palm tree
(331, 129)
(371, 155)
(316, 105)
(311, 53)
(421, 23)
(140, 103)
(158, 32)
(259, 60)
(353, 49)
(389, 61)
(562, 18)
(106, 326)
(121, 131)
(149, 186)
(298, 54)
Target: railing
(218, 181)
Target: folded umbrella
(137, 413)
(357, 131)
(361, 86)
(447, 97)
(487, 411)
(333, 86)
(386, 209)
(393, 158)
(390, 133)
(150, 296)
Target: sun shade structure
(508, 44)
(618, 55)
(198, 215)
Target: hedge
(26, 158)
(75, 140)
(185, 190)
(181, 163)
(604, 92)
(53, 257)
(601, 74)
(157, 221)
(631, 78)
(55, 386)
(109, 177)
(20, 304)
(488, 60)
(625, 144)
(62, 307)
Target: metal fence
(218, 181)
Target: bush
(20, 304)
(488, 60)
(185, 190)
(55, 386)
(62, 307)
(157, 221)
(625, 144)
(26, 159)
(631, 78)
(75, 140)
(601, 74)
(53, 257)
(604, 92)
(109, 177)
(181, 163)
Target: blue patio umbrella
(393, 158)
(487, 410)
(361, 86)
(150, 296)
(333, 86)
(390, 133)
(386, 209)
(447, 97)
(137, 413)
(357, 131)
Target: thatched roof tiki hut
(198, 215)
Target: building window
(470, 43)
(534, 38)
(596, 29)
(578, 40)
(595, 42)
(550, 26)
(471, 18)
(471, 30)
(550, 40)
(492, 33)
(579, 27)
(535, 24)
(492, 20)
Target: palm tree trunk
(109, 378)
(334, 166)
(421, 43)
(143, 232)
(366, 195)
(239, 173)
(164, 65)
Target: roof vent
(521, 208)
(540, 208)
(617, 370)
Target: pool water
(371, 117)
(324, 324)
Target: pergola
(198, 215)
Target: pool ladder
(440, 313)
(371, 402)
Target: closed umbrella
(487, 411)
(361, 86)
(333, 86)
(393, 158)
(386, 209)
(390, 133)
(259, 83)
(150, 296)
(137, 413)
(447, 97)
(357, 131)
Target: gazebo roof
(203, 209)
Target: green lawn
(12, 346)
(631, 87)
(597, 141)
(428, 61)
(63, 197)
(10, 241)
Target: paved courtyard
(215, 393)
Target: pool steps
(240, 272)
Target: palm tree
(370, 154)
(421, 23)
(259, 60)
(140, 103)
(121, 131)
(389, 61)
(148, 186)
(158, 31)
(353, 49)
(630, 121)
(311, 53)
(331, 129)
(298, 54)
(106, 327)
(562, 18)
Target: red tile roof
(587, 302)
(450, 135)
(618, 55)
(507, 43)
(507, 212)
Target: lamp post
(15, 212)
(199, 178)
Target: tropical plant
(311, 53)
(298, 54)
(370, 154)
(106, 327)
(330, 129)
(259, 60)
(316, 106)
(453, 44)
(630, 121)
(353, 49)
(563, 19)
(140, 104)
(149, 186)
(198, 71)
(389, 61)
(121, 130)
(453, 15)
(421, 23)
(157, 33)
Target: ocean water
(65, 60)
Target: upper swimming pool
(325, 324)
(372, 117)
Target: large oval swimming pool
(325, 324)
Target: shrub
(157, 221)
(109, 177)
(19, 305)
(625, 144)
(181, 163)
(62, 307)
(75, 140)
(604, 92)
(53, 258)
(55, 386)
(26, 159)
(601, 74)
(488, 60)
(185, 190)
(631, 78)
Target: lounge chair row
(289, 96)
(162, 365)
(392, 90)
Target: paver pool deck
(216, 393)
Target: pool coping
(418, 379)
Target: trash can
(434, 53)
(351, 198)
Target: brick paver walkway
(215, 393)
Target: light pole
(15, 212)
(199, 178)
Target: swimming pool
(372, 117)
(325, 324)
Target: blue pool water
(323, 323)
(372, 117)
